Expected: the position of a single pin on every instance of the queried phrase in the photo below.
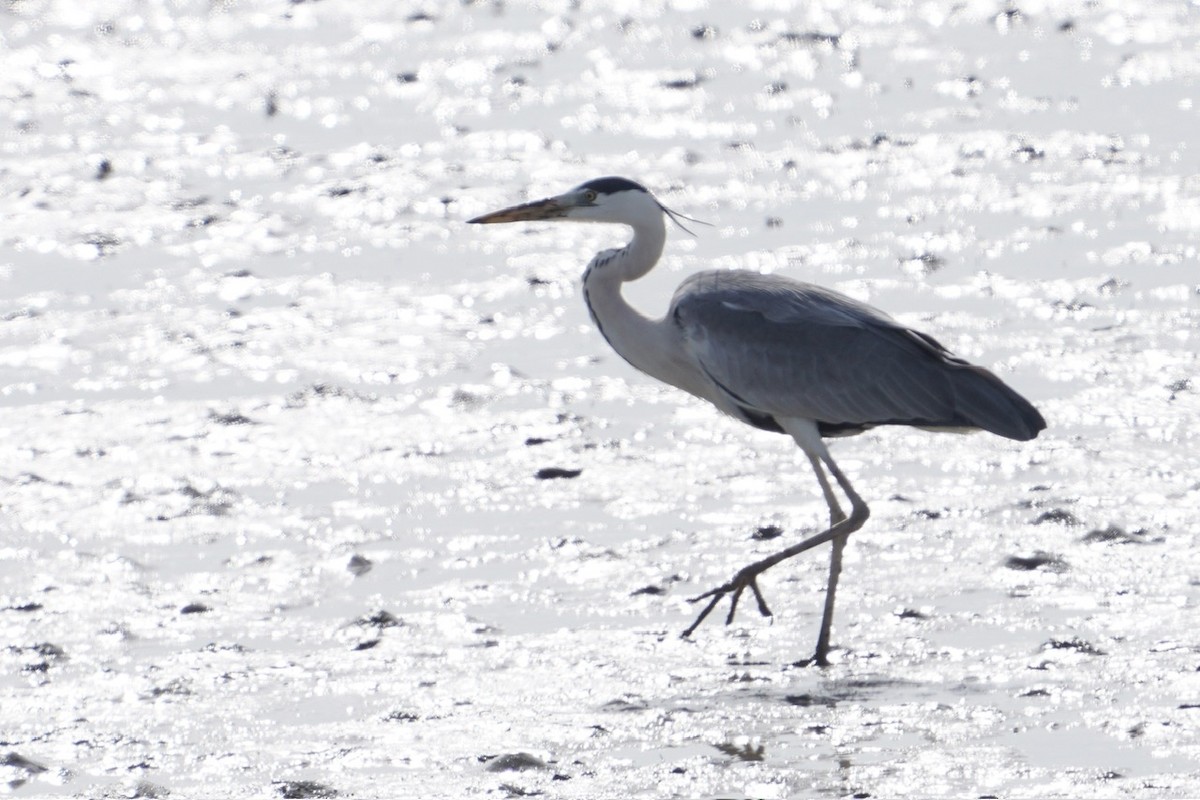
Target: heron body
(780, 355)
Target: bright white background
(272, 414)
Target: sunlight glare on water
(310, 487)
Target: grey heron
(780, 355)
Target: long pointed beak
(550, 208)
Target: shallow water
(273, 415)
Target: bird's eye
(590, 196)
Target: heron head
(610, 199)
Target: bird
(780, 355)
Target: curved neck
(638, 339)
(645, 248)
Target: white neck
(643, 342)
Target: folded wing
(779, 348)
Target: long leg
(837, 532)
(836, 515)
(821, 656)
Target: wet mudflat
(311, 490)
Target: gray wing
(775, 348)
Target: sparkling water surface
(273, 416)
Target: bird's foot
(819, 659)
(747, 576)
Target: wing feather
(782, 348)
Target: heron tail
(989, 403)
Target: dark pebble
(381, 619)
(551, 473)
(766, 533)
(401, 716)
(232, 418)
(682, 83)
(807, 700)
(26, 607)
(49, 650)
(149, 790)
(911, 613)
(1114, 533)
(1038, 560)
(1078, 645)
(359, 565)
(298, 790)
(513, 762)
(1058, 515)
